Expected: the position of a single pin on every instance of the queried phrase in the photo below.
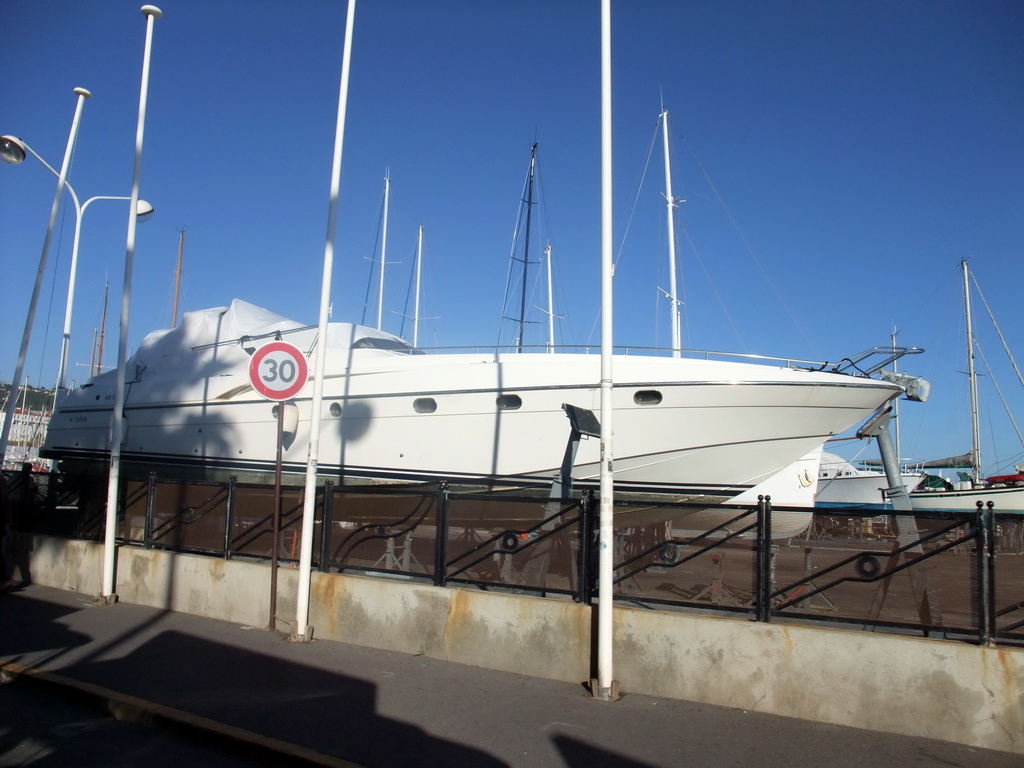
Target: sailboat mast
(103, 330)
(526, 247)
(972, 381)
(92, 360)
(177, 277)
(896, 402)
(671, 204)
(551, 304)
(416, 304)
(383, 250)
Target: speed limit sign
(278, 370)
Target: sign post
(277, 371)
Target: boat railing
(878, 357)
(864, 363)
(242, 340)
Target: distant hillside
(37, 398)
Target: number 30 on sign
(278, 370)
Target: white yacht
(391, 413)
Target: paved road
(329, 702)
(43, 728)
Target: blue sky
(837, 161)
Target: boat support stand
(583, 423)
(906, 524)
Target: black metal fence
(958, 576)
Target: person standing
(21, 502)
(6, 531)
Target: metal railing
(935, 574)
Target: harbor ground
(247, 694)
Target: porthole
(335, 410)
(424, 405)
(509, 402)
(647, 397)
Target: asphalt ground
(90, 685)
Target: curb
(139, 711)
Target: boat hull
(1008, 499)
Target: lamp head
(143, 211)
(12, 150)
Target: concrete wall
(513, 633)
(936, 689)
(932, 688)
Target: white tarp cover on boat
(206, 327)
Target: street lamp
(143, 211)
(9, 152)
(13, 151)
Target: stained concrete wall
(951, 691)
(513, 633)
(932, 688)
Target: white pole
(152, 13)
(302, 631)
(676, 342)
(383, 250)
(896, 406)
(66, 340)
(605, 683)
(416, 304)
(19, 368)
(551, 305)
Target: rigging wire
(408, 294)
(544, 226)
(373, 260)
(723, 305)
(539, 275)
(563, 320)
(629, 219)
(991, 317)
(639, 190)
(559, 297)
(512, 280)
(945, 302)
(999, 392)
(750, 250)
(991, 375)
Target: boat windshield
(393, 345)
